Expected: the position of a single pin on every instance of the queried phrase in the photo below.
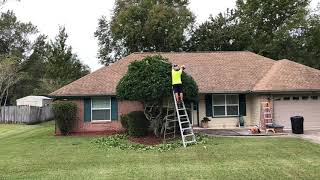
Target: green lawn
(32, 152)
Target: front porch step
(223, 124)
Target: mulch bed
(151, 139)
(94, 133)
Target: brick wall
(80, 126)
(124, 107)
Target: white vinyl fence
(25, 114)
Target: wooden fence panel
(25, 114)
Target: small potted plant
(205, 122)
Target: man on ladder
(177, 83)
(185, 126)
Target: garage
(307, 106)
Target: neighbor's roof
(214, 72)
(35, 98)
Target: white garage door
(306, 106)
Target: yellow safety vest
(176, 76)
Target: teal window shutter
(242, 105)
(208, 100)
(87, 110)
(114, 108)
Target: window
(225, 105)
(101, 109)
(314, 97)
(305, 97)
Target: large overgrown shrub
(65, 115)
(149, 81)
(138, 124)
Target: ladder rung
(188, 135)
(181, 109)
(189, 142)
(183, 122)
(183, 115)
(174, 120)
(186, 128)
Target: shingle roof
(214, 72)
(287, 75)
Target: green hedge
(65, 115)
(124, 121)
(138, 124)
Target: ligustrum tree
(149, 81)
(144, 25)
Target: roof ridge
(189, 52)
(268, 75)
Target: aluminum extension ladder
(181, 117)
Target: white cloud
(80, 18)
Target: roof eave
(288, 91)
(80, 95)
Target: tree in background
(143, 25)
(272, 25)
(14, 36)
(9, 75)
(61, 65)
(217, 34)
(149, 81)
(42, 67)
(15, 47)
(275, 29)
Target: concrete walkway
(312, 135)
(233, 132)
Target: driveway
(313, 135)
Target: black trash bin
(297, 124)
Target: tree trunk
(153, 113)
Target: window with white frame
(225, 105)
(101, 109)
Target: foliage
(124, 121)
(45, 156)
(275, 29)
(216, 34)
(149, 80)
(15, 36)
(138, 124)
(44, 66)
(9, 76)
(146, 25)
(65, 115)
(62, 66)
(121, 142)
(205, 120)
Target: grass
(32, 152)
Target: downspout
(198, 116)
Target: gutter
(79, 95)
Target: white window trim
(225, 105)
(92, 109)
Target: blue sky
(80, 17)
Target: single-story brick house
(231, 84)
